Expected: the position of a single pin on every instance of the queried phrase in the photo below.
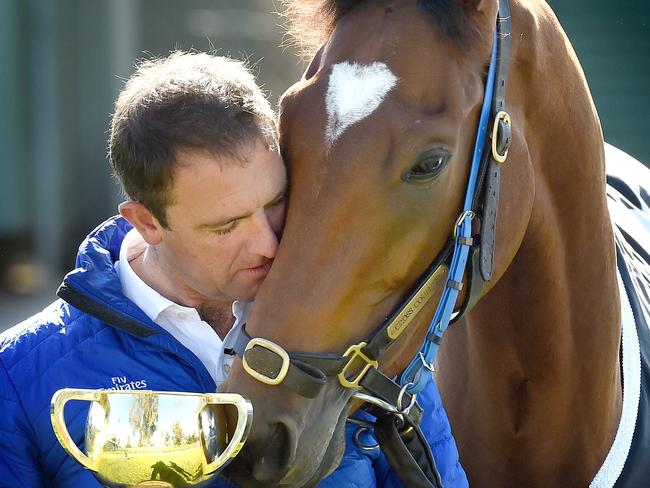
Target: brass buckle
(274, 348)
(355, 353)
(505, 116)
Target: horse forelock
(310, 22)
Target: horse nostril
(275, 455)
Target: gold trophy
(143, 438)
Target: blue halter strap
(414, 375)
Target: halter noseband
(357, 369)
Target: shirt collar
(240, 309)
(146, 298)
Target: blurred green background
(63, 62)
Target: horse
(378, 137)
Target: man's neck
(216, 313)
(220, 318)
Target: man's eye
(225, 230)
(277, 202)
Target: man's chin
(246, 295)
(247, 289)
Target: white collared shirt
(184, 323)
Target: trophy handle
(243, 427)
(57, 405)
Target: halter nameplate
(415, 304)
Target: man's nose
(264, 242)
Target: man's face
(225, 220)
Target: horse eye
(427, 167)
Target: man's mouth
(260, 270)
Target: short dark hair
(186, 100)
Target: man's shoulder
(36, 342)
(59, 347)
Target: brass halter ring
(505, 116)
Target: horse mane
(311, 22)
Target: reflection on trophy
(143, 438)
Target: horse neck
(533, 372)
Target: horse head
(378, 137)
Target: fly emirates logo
(123, 383)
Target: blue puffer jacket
(98, 338)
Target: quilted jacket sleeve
(361, 468)
(18, 464)
(436, 428)
(356, 469)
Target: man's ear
(143, 220)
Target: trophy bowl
(144, 438)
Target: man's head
(186, 100)
(193, 143)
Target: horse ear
(483, 10)
(481, 5)
(314, 64)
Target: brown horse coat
(530, 376)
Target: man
(157, 292)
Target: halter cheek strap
(481, 198)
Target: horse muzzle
(294, 441)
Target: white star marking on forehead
(353, 93)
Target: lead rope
(408, 453)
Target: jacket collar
(94, 286)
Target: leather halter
(357, 369)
